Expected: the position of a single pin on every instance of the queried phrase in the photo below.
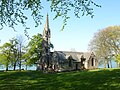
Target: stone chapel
(64, 60)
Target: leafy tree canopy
(33, 50)
(12, 12)
(11, 52)
(118, 58)
(106, 42)
(5, 54)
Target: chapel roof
(75, 55)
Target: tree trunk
(108, 63)
(117, 64)
(20, 65)
(26, 67)
(19, 59)
(6, 67)
(14, 66)
(104, 63)
(111, 63)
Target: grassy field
(108, 79)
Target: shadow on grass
(77, 80)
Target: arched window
(92, 61)
(70, 60)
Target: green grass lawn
(108, 79)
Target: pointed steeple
(45, 59)
(47, 23)
(46, 31)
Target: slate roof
(87, 55)
(75, 55)
(64, 55)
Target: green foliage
(12, 12)
(11, 52)
(118, 58)
(84, 80)
(106, 42)
(14, 50)
(3, 59)
(34, 50)
(6, 54)
(78, 7)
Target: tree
(6, 54)
(106, 42)
(11, 52)
(20, 45)
(33, 50)
(13, 12)
(118, 58)
(14, 50)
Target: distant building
(64, 60)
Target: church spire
(46, 43)
(46, 31)
(47, 23)
(45, 59)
